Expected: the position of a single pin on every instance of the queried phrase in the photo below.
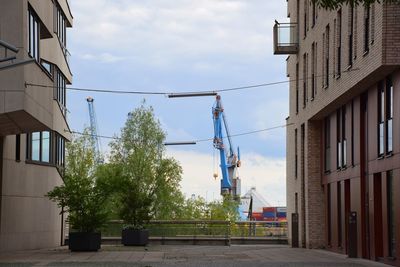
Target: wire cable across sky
(193, 141)
(165, 93)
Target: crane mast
(93, 129)
(229, 160)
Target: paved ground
(249, 256)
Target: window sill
(389, 154)
(325, 87)
(365, 53)
(40, 163)
(381, 157)
(349, 67)
(327, 172)
(337, 77)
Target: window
(341, 138)
(327, 142)
(305, 18)
(339, 43)
(329, 215)
(314, 13)
(389, 116)
(305, 79)
(326, 59)
(48, 67)
(59, 151)
(60, 91)
(39, 146)
(18, 148)
(352, 132)
(313, 70)
(61, 26)
(297, 88)
(295, 155)
(351, 34)
(46, 147)
(381, 119)
(33, 35)
(366, 27)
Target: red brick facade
(357, 52)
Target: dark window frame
(33, 35)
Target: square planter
(84, 241)
(135, 237)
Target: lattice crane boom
(94, 128)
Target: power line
(196, 141)
(165, 93)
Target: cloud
(161, 33)
(103, 57)
(268, 175)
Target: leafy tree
(335, 4)
(226, 210)
(81, 196)
(148, 182)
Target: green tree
(148, 181)
(335, 4)
(81, 197)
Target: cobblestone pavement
(152, 256)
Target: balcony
(286, 38)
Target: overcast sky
(187, 45)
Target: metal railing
(286, 38)
(205, 228)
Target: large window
(61, 26)
(389, 115)
(341, 138)
(33, 35)
(60, 90)
(46, 147)
(39, 147)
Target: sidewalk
(237, 255)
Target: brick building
(343, 139)
(33, 120)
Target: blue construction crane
(230, 161)
(93, 130)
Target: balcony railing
(286, 38)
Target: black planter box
(84, 241)
(135, 237)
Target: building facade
(343, 134)
(33, 122)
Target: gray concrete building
(343, 138)
(33, 120)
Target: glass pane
(339, 154)
(31, 35)
(344, 153)
(381, 138)
(45, 147)
(35, 154)
(390, 135)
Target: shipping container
(269, 209)
(281, 214)
(281, 209)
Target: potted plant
(81, 197)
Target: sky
(180, 46)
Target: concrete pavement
(236, 255)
